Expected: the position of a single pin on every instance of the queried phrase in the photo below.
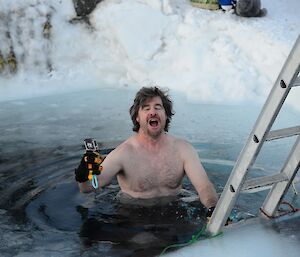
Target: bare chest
(154, 170)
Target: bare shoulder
(127, 146)
(116, 159)
(184, 147)
(182, 144)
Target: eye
(158, 107)
(146, 108)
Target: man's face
(152, 117)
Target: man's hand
(89, 166)
(210, 212)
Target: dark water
(42, 212)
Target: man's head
(161, 106)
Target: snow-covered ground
(252, 238)
(210, 56)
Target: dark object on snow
(85, 7)
(250, 8)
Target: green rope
(193, 240)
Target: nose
(152, 112)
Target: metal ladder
(288, 78)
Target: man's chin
(155, 133)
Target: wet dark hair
(142, 96)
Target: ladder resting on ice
(279, 183)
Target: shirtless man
(151, 163)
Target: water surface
(42, 212)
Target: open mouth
(153, 122)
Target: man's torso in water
(149, 173)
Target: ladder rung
(281, 133)
(296, 82)
(262, 183)
(296, 180)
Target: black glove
(210, 212)
(89, 165)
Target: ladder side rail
(247, 157)
(255, 140)
(233, 187)
(279, 92)
(278, 190)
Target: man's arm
(110, 168)
(198, 177)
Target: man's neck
(151, 142)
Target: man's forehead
(155, 100)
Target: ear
(137, 119)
